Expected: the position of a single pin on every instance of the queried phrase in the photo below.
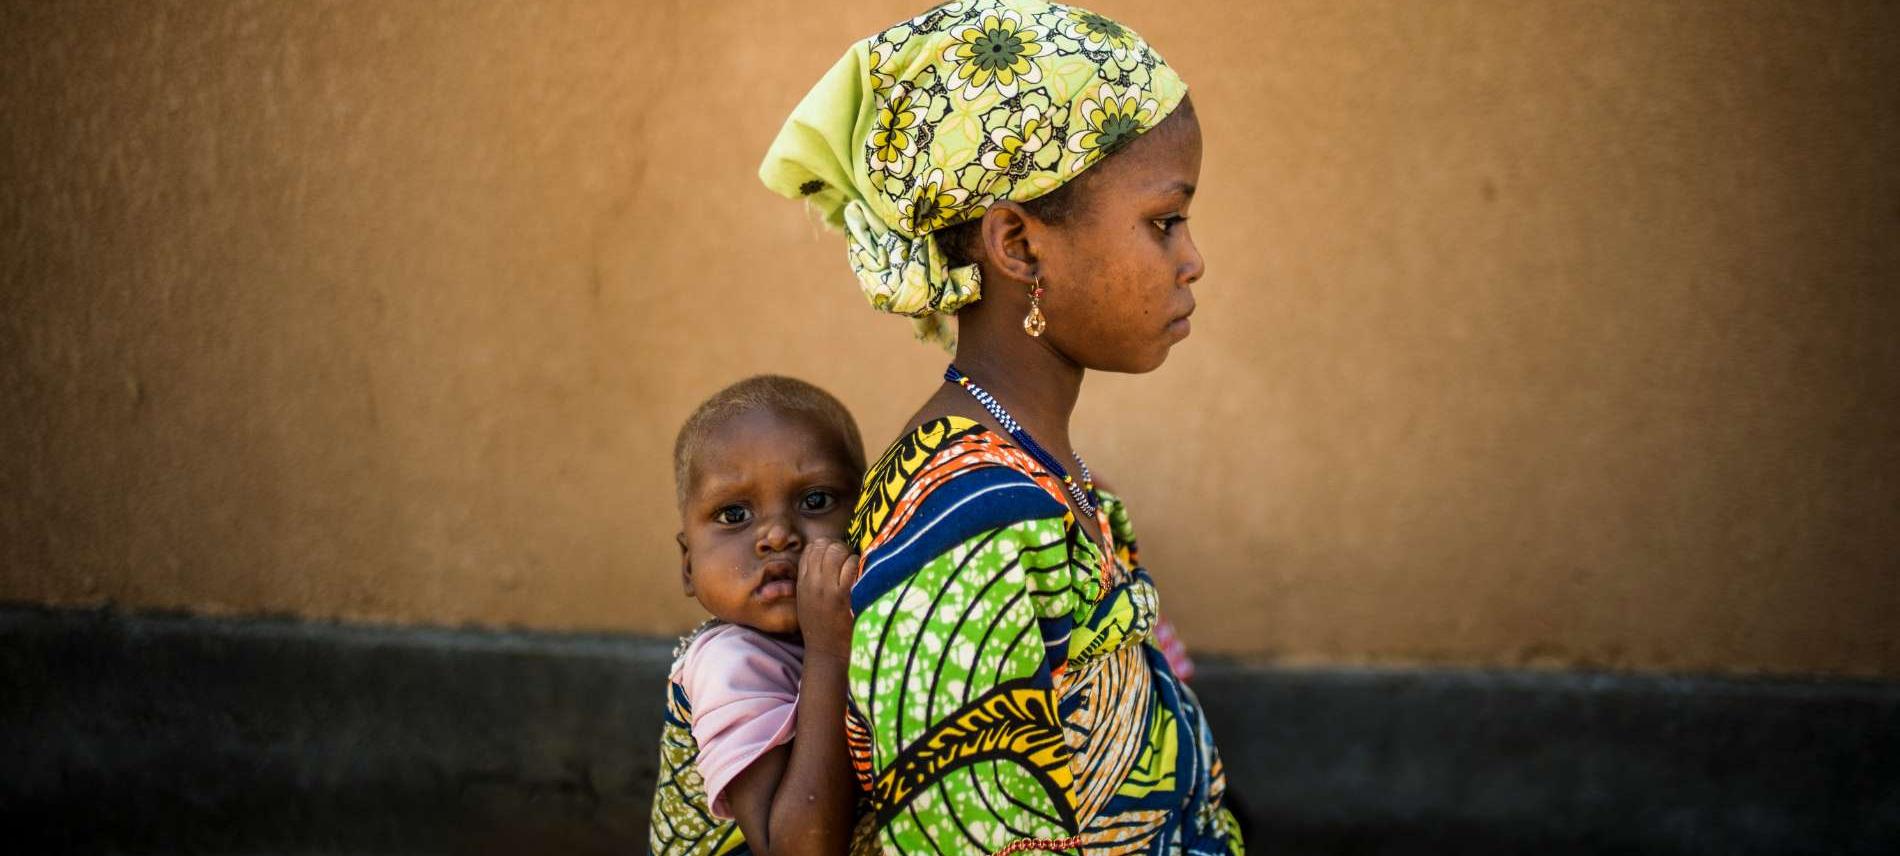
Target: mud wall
(1552, 334)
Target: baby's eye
(819, 501)
(1167, 224)
(732, 515)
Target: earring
(1034, 323)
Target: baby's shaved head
(775, 394)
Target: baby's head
(762, 468)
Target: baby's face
(763, 486)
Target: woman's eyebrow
(1177, 186)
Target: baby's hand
(826, 571)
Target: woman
(1005, 694)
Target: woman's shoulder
(950, 464)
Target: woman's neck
(1034, 382)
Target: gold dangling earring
(1034, 323)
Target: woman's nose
(1193, 266)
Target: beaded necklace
(1083, 494)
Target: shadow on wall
(171, 734)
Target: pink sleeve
(1173, 649)
(743, 689)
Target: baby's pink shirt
(743, 689)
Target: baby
(753, 746)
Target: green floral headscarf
(926, 124)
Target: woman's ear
(686, 564)
(1008, 240)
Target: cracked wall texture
(1554, 334)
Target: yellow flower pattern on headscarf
(1011, 147)
(1099, 33)
(997, 51)
(894, 140)
(1109, 120)
(927, 123)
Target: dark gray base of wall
(1537, 762)
(189, 735)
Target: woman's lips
(1181, 326)
(777, 590)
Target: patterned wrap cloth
(1006, 690)
(929, 122)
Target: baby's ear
(686, 564)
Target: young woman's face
(1116, 279)
(763, 487)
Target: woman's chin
(1153, 360)
(1126, 357)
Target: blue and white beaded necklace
(1083, 494)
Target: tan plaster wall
(1535, 333)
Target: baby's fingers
(812, 559)
(831, 555)
(818, 567)
(848, 573)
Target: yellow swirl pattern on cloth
(928, 123)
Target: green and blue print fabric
(1005, 694)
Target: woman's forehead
(1166, 160)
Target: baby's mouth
(779, 580)
(776, 590)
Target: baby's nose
(777, 537)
